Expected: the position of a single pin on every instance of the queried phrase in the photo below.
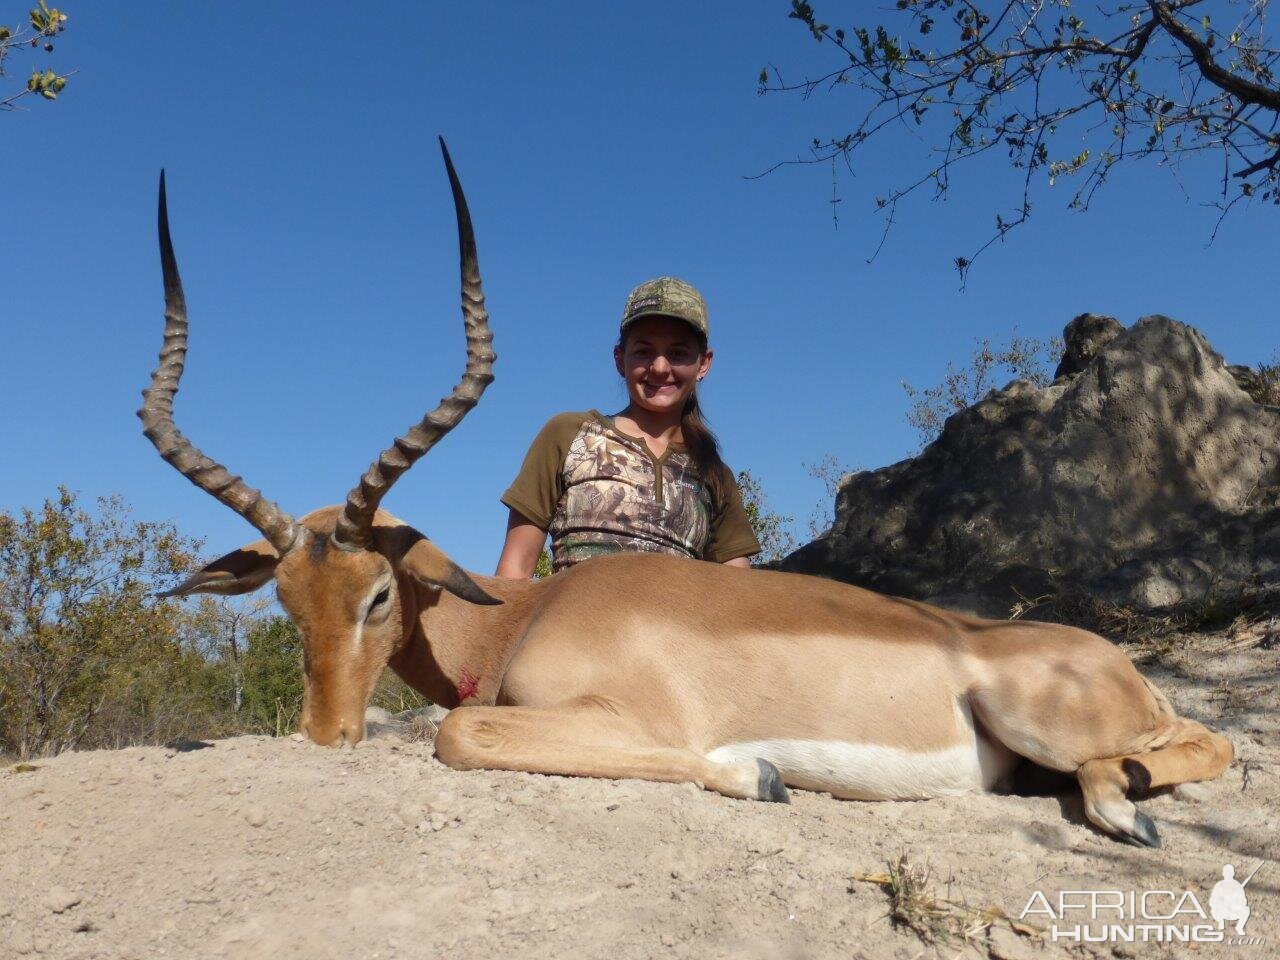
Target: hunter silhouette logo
(1228, 901)
(1149, 916)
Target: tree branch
(1215, 73)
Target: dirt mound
(1144, 474)
(253, 848)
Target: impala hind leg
(588, 737)
(1105, 785)
(1193, 753)
(1117, 733)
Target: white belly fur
(860, 771)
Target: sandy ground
(254, 847)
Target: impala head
(348, 576)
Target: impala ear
(239, 571)
(410, 551)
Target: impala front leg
(589, 737)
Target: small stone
(255, 816)
(438, 821)
(60, 899)
(1192, 792)
(84, 926)
(297, 737)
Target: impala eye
(381, 597)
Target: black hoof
(770, 786)
(1144, 831)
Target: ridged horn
(354, 530)
(157, 412)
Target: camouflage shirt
(597, 490)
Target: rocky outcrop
(1143, 474)
(1083, 339)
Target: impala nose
(335, 732)
(324, 735)
(352, 734)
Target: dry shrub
(421, 729)
(914, 906)
(1246, 612)
(395, 696)
(1262, 382)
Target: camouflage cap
(667, 297)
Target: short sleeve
(731, 534)
(539, 485)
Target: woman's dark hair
(699, 440)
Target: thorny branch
(1149, 80)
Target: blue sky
(600, 145)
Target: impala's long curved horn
(157, 413)
(355, 526)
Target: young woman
(648, 479)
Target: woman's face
(661, 361)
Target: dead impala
(670, 669)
